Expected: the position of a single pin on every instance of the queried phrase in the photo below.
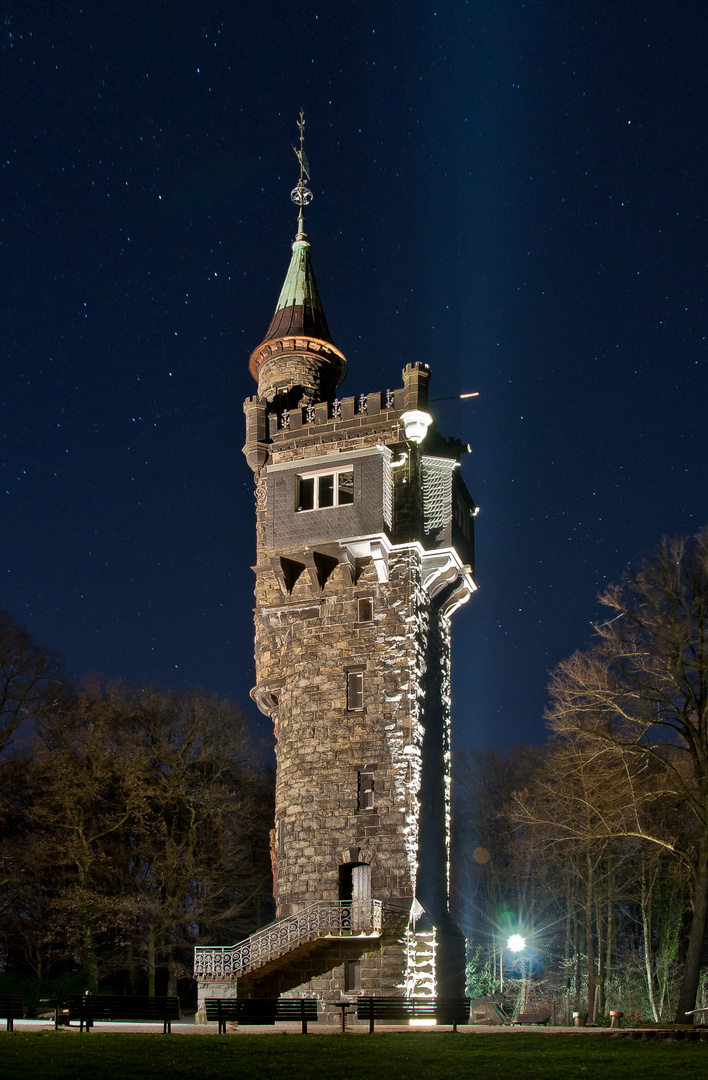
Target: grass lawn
(416, 1056)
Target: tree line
(595, 846)
(133, 824)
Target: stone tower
(364, 551)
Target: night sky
(514, 193)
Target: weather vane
(301, 195)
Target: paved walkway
(187, 1027)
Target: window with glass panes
(316, 491)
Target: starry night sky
(514, 193)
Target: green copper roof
(299, 309)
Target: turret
(297, 360)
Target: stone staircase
(290, 936)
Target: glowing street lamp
(514, 944)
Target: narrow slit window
(366, 609)
(355, 690)
(366, 791)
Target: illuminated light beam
(457, 397)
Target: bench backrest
(261, 1010)
(447, 1010)
(11, 1006)
(296, 1009)
(221, 1008)
(120, 1007)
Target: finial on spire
(297, 361)
(300, 194)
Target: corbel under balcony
(447, 580)
(375, 547)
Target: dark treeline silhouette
(133, 824)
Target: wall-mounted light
(416, 424)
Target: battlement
(327, 415)
(270, 423)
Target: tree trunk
(172, 966)
(646, 935)
(578, 962)
(692, 966)
(647, 939)
(90, 964)
(568, 940)
(590, 943)
(89, 956)
(151, 960)
(610, 934)
(600, 921)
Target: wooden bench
(451, 1011)
(12, 1008)
(88, 1008)
(540, 1017)
(261, 1011)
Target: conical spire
(299, 328)
(299, 308)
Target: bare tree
(90, 796)
(573, 816)
(641, 691)
(139, 822)
(32, 678)
(203, 843)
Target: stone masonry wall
(306, 646)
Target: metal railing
(325, 919)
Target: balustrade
(335, 918)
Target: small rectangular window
(317, 491)
(281, 836)
(366, 609)
(355, 690)
(366, 791)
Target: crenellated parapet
(270, 427)
(402, 412)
